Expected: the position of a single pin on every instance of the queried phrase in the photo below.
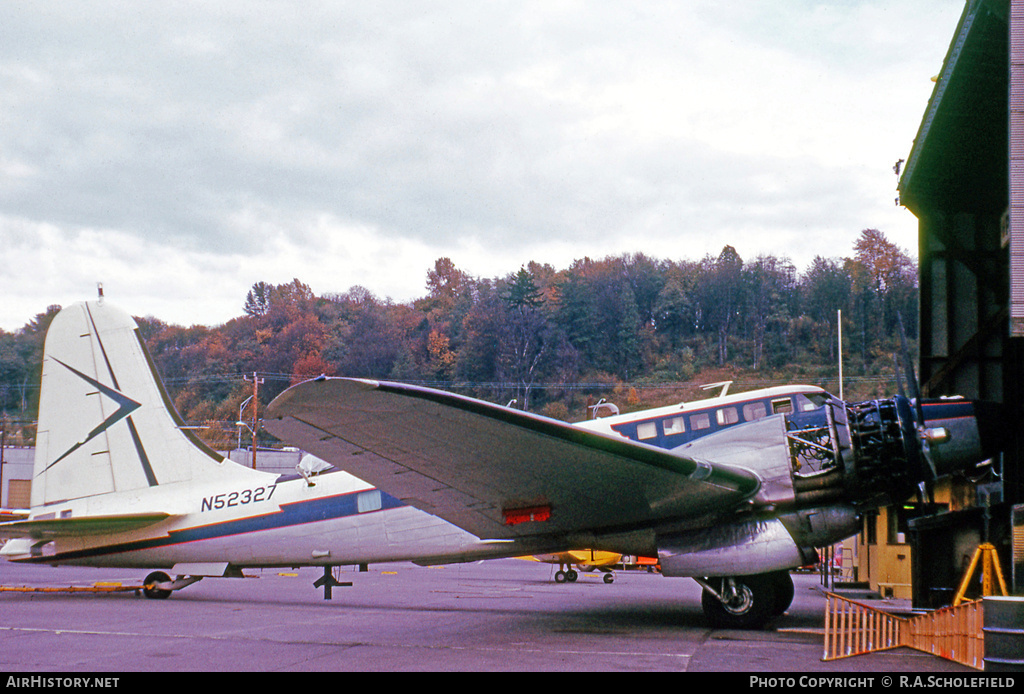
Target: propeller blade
(908, 367)
(899, 377)
(926, 451)
(915, 396)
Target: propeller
(908, 368)
(923, 435)
(899, 377)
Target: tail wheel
(745, 602)
(150, 590)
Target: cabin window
(783, 406)
(646, 430)
(727, 415)
(700, 421)
(675, 425)
(368, 501)
(753, 411)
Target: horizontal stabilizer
(84, 526)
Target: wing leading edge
(494, 471)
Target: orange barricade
(953, 633)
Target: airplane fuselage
(260, 519)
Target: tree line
(633, 328)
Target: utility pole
(3, 444)
(256, 381)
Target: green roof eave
(964, 123)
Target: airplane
(587, 560)
(13, 514)
(433, 477)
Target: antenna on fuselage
(597, 411)
(724, 385)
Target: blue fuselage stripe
(288, 515)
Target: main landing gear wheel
(784, 591)
(743, 602)
(149, 588)
(566, 576)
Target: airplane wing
(52, 528)
(497, 472)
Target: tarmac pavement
(506, 615)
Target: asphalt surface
(506, 615)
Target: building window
(900, 517)
(871, 527)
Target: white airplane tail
(105, 422)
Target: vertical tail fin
(105, 422)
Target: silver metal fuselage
(263, 520)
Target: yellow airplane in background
(586, 559)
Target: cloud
(197, 146)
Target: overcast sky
(178, 152)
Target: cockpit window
(811, 401)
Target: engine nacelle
(756, 546)
(735, 549)
(821, 526)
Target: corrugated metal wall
(1016, 219)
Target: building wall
(884, 553)
(17, 466)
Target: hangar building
(964, 181)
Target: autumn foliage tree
(541, 336)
